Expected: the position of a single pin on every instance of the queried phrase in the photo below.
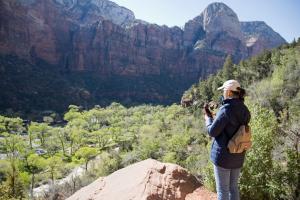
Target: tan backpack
(241, 140)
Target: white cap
(230, 85)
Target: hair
(241, 93)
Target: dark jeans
(227, 183)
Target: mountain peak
(219, 9)
(217, 6)
(218, 17)
(99, 9)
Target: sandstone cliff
(102, 38)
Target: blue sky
(282, 15)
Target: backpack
(241, 140)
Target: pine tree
(227, 68)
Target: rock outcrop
(146, 180)
(259, 36)
(102, 38)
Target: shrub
(258, 173)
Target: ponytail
(241, 93)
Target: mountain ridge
(106, 40)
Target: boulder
(145, 180)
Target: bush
(109, 163)
(259, 171)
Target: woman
(232, 114)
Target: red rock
(101, 37)
(146, 180)
(201, 194)
(87, 36)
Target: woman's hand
(206, 117)
(206, 111)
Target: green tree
(31, 133)
(35, 165)
(290, 127)
(14, 145)
(109, 164)
(73, 113)
(75, 136)
(54, 164)
(86, 154)
(61, 135)
(149, 143)
(259, 170)
(177, 148)
(102, 138)
(15, 181)
(39, 130)
(53, 145)
(227, 72)
(14, 125)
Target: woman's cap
(232, 85)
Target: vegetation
(272, 79)
(116, 135)
(105, 139)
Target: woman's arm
(217, 125)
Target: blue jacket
(232, 114)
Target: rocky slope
(146, 180)
(102, 38)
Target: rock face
(101, 37)
(259, 36)
(222, 32)
(146, 180)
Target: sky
(282, 15)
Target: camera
(210, 109)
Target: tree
(31, 133)
(96, 118)
(60, 133)
(15, 183)
(259, 171)
(86, 154)
(53, 165)
(102, 138)
(227, 72)
(14, 145)
(14, 125)
(39, 130)
(290, 127)
(177, 145)
(35, 165)
(75, 135)
(73, 113)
